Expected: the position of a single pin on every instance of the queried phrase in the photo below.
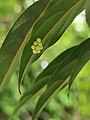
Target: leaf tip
(19, 88)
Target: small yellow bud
(38, 39)
(38, 51)
(41, 47)
(40, 44)
(35, 51)
(33, 46)
(35, 43)
(37, 48)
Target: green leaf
(56, 74)
(57, 17)
(16, 39)
(83, 51)
(47, 74)
(30, 94)
(42, 80)
(57, 79)
(46, 97)
(58, 63)
(87, 6)
(69, 67)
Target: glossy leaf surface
(57, 17)
(43, 79)
(69, 67)
(16, 39)
(61, 70)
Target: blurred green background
(77, 106)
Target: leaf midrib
(60, 20)
(29, 33)
(54, 26)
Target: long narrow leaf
(61, 60)
(43, 78)
(58, 71)
(30, 94)
(46, 97)
(78, 58)
(16, 39)
(57, 17)
(83, 51)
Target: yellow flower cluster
(37, 46)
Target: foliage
(47, 20)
